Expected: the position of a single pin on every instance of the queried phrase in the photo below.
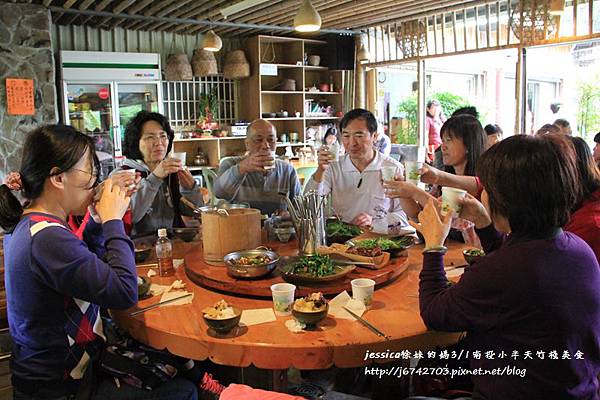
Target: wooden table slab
(340, 342)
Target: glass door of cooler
(89, 108)
(135, 97)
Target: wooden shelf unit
(215, 148)
(260, 93)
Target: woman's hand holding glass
(430, 174)
(113, 202)
(186, 180)
(474, 211)
(167, 166)
(432, 225)
(399, 188)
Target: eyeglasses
(152, 139)
(93, 175)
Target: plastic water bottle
(164, 254)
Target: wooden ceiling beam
(155, 10)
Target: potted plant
(207, 109)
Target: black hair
(493, 129)
(547, 128)
(588, 171)
(597, 138)
(48, 150)
(330, 132)
(468, 129)
(359, 113)
(561, 122)
(469, 110)
(529, 181)
(133, 133)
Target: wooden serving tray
(216, 277)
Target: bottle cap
(162, 232)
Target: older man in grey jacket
(258, 178)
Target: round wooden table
(339, 342)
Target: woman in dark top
(534, 299)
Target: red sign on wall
(19, 96)
(103, 93)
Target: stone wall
(25, 52)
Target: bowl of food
(142, 254)
(472, 255)
(185, 234)
(338, 231)
(251, 263)
(310, 310)
(222, 317)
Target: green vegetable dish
(339, 228)
(475, 252)
(386, 244)
(317, 266)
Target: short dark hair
(597, 138)
(133, 133)
(469, 110)
(493, 129)
(548, 128)
(468, 129)
(360, 113)
(588, 171)
(529, 181)
(46, 148)
(561, 122)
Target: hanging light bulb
(307, 19)
(211, 41)
(557, 7)
(363, 55)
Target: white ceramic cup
(180, 156)
(362, 290)
(388, 172)
(450, 197)
(412, 171)
(283, 298)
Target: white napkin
(294, 326)
(257, 316)
(336, 306)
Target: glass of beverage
(362, 290)
(181, 156)
(270, 164)
(283, 298)
(388, 172)
(413, 171)
(334, 151)
(450, 197)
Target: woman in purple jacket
(55, 283)
(531, 306)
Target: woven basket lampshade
(178, 68)
(204, 63)
(236, 65)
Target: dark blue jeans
(175, 389)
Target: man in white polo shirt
(355, 181)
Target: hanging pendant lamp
(363, 54)
(307, 19)
(211, 41)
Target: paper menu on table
(257, 316)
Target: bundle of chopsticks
(307, 207)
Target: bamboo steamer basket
(178, 68)
(204, 63)
(223, 234)
(236, 65)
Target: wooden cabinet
(214, 148)
(281, 81)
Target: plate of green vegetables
(338, 231)
(315, 269)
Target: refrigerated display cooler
(102, 91)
